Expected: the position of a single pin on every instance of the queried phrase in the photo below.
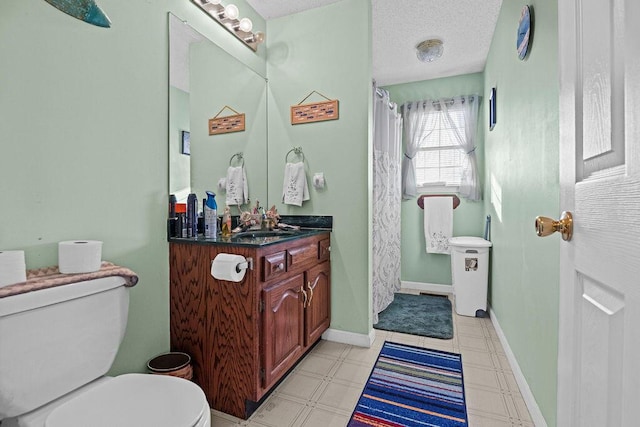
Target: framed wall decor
(525, 31)
(315, 112)
(492, 108)
(186, 143)
(227, 124)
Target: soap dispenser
(211, 216)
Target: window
(439, 160)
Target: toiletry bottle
(211, 216)
(171, 220)
(226, 222)
(172, 206)
(181, 220)
(192, 215)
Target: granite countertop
(309, 225)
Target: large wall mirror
(203, 79)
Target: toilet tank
(55, 340)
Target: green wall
(522, 161)
(468, 218)
(218, 80)
(83, 130)
(328, 50)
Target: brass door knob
(546, 226)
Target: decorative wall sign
(227, 124)
(84, 10)
(316, 112)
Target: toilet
(58, 344)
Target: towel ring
(240, 159)
(297, 151)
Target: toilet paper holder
(244, 265)
(248, 264)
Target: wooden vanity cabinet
(297, 311)
(244, 337)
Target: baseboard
(428, 287)
(527, 395)
(345, 337)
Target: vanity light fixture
(429, 50)
(229, 17)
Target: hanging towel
(295, 189)
(237, 189)
(438, 224)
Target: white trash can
(470, 274)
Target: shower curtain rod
(436, 102)
(380, 93)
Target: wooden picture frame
(316, 112)
(228, 124)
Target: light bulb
(259, 37)
(231, 11)
(246, 25)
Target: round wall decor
(524, 32)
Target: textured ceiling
(465, 26)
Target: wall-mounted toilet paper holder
(244, 265)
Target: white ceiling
(465, 26)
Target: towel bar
(456, 200)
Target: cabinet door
(283, 327)
(318, 310)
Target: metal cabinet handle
(547, 226)
(304, 294)
(311, 292)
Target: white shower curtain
(387, 131)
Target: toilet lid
(134, 400)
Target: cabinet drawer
(324, 249)
(274, 265)
(302, 255)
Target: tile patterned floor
(325, 386)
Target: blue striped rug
(412, 386)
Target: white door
(599, 347)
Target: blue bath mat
(424, 315)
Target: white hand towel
(295, 189)
(438, 224)
(237, 187)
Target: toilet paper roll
(224, 267)
(12, 268)
(79, 256)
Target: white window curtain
(414, 133)
(470, 183)
(416, 130)
(387, 133)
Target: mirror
(203, 79)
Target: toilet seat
(135, 400)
